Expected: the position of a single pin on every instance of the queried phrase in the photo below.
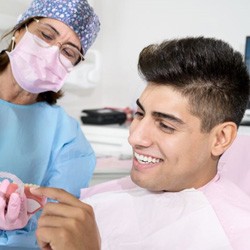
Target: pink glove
(13, 208)
(17, 203)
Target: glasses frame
(60, 45)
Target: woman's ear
(224, 135)
(16, 34)
(15, 38)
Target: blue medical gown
(42, 145)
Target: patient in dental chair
(177, 196)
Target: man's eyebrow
(168, 117)
(162, 115)
(139, 105)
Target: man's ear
(224, 135)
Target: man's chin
(143, 183)
(136, 179)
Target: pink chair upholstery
(235, 163)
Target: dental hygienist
(39, 142)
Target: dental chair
(235, 163)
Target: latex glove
(13, 208)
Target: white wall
(9, 12)
(129, 25)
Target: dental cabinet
(113, 152)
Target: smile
(146, 159)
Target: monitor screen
(247, 53)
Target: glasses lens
(45, 34)
(71, 53)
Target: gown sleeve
(73, 166)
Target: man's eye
(138, 114)
(166, 128)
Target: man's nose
(140, 133)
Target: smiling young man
(187, 117)
(171, 152)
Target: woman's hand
(13, 208)
(68, 224)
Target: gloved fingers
(13, 209)
(3, 187)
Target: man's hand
(68, 224)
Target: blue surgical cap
(77, 14)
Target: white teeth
(146, 159)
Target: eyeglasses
(48, 38)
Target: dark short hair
(207, 71)
(49, 96)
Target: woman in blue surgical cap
(39, 142)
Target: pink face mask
(37, 69)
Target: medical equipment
(103, 116)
